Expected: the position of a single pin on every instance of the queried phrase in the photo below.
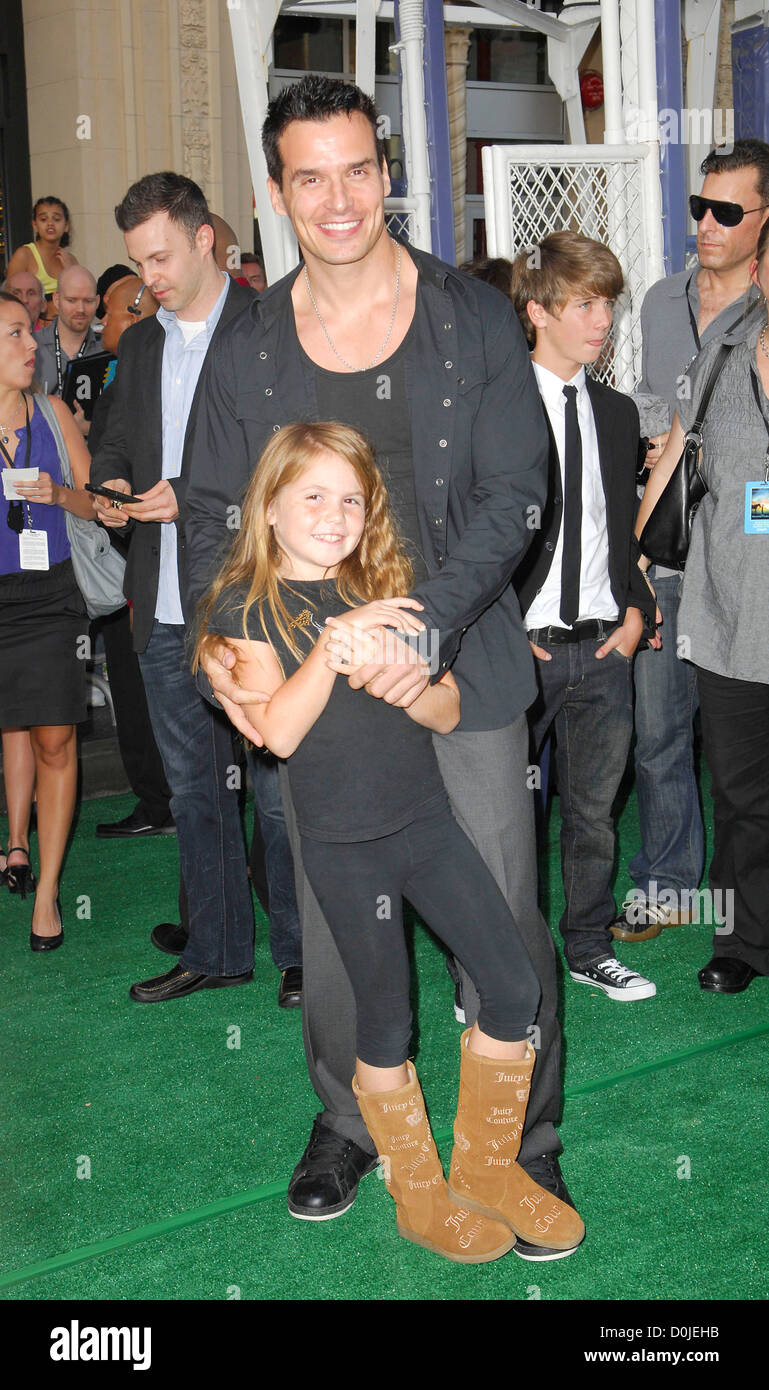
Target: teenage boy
(585, 603)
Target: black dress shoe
(169, 937)
(181, 981)
(290, 991)
(325, 1180)
(546, 1170)
(726, 975)
(132, 826)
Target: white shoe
(615, 980)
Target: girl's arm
(293, 705)
(437, 708)
(661, 474)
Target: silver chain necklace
(762, 341)
(338, 355)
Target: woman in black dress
(42, 615)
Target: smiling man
(431, 366)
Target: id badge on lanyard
(757, 492)
(33, 550)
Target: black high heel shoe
(19, 877)
(47, 943)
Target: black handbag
(666, 536)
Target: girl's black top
(364, 769)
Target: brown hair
(377, 568)
(564, 264)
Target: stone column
(457, 45)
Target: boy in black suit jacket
(585, 603)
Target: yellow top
(47, 281)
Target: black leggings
(432, 863)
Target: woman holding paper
(43, 622)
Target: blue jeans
(590, 704)
(672, 838)
(195, 743)
(285, 927)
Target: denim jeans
(672, 848)
(590, 704)
(195, 743)
(285, 927)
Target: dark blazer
(132, 448)
(617, 432)
(479, 449)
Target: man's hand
(83, 425)
(381, 613)
(218, 666)
(106, 512)
(626, 637)
(540, 653)
(159, 504)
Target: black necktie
(572, 512)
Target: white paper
(18, 475)
(33, 550)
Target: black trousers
(735, 732)
(432, 863)
(136, 741)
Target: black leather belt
(593, 629)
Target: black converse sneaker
(614, 979)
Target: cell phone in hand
(111, 494)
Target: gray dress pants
(485, 776)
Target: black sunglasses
(726, 214)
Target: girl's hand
(381, 613)
(44, 489)
(346, 648)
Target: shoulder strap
(715, 372)
(43, 404)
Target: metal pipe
(612, 74)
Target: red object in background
(591, 89)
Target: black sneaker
(325, 1181)
(546, 1170)
(614, 979)
(459, 1003)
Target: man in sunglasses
(680, 315)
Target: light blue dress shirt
(182, 363)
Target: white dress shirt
(595, 596)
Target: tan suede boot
(484, 1175)
(398, 1124)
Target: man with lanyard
(69, 335)
(433, 367)
(680, 315)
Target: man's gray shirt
(45, 357)
(669, 345)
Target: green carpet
(189, 1140)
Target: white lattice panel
(400, 219)
(600, 191)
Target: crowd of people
(381, 521)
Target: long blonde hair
(377, 568)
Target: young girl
(46, 257)
(317, 538)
